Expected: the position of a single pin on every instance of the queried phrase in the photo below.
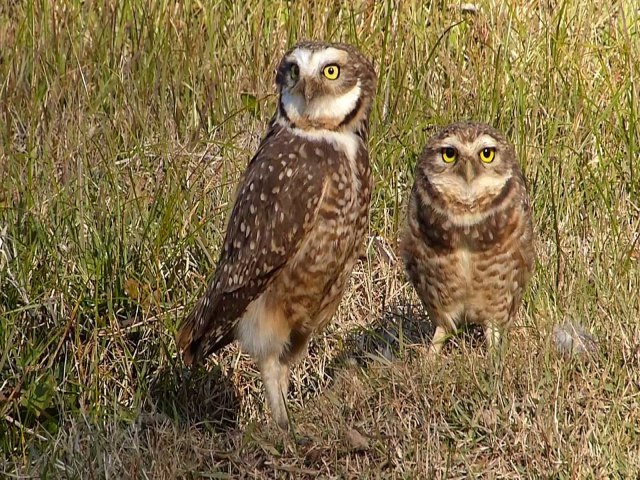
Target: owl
(468, 242)
(298, 220)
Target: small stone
(356, 440)
(572, 339)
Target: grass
(124, 127)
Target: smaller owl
(468, 241)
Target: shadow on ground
(401, 327)
(197, 395)
(209, 398)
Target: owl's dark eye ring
(448, 154)
(294, 71)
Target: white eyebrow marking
(470, 149)
(484, 141)
(311, 61)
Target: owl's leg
(437, 342)
(263, 332)
(283, 381)
(275, 376)
(492, 336)
(295, 349)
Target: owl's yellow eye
(449, 155)
(487, 154)
(294, 72)
(331, 71)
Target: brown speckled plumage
(297, 222)
(468, 242)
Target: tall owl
(298, 220)
(468, 242)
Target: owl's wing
(276, 206)
(529, 254)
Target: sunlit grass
(124, 127)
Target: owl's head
(325, 86)
(468, 163)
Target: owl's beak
(469, 171)
(308, 87)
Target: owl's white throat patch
(347, 142)
(333, 108)
(326, 109)
(486, 186)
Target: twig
(18, 424)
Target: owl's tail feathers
(200, 334)
(187, 340)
